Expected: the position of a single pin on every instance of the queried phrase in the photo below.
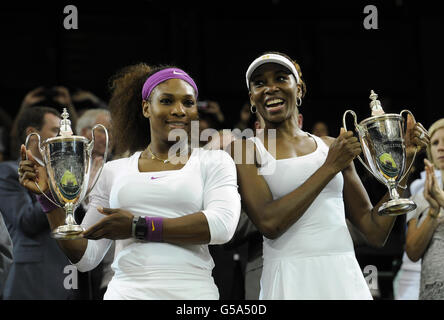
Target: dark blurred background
(215, 41)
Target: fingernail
(100, 208)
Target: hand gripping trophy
(383, 146)
(68, 162)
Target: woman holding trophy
(298, 205)
(162, 205)
(425, 233)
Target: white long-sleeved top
(207, 183)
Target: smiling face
(437, 148)
(273, 90)
(171, 105)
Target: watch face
(141, 228)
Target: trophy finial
(65, 124)
(375, 104)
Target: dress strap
(262, 154)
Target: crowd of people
(275, 214)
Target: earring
(251, 109)
(298, 101)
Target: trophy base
(396, 207)
(67, 232)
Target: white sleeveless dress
(314, 259)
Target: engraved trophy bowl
(383, 147)
(68, 162)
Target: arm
(274, 217)
(361, 212)
(215, 224)
(73, 249)
(30, 217)
(28, 214)
(418, 237)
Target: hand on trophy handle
(31, 174)
(416, 140)
(416, 137)
(343, 150)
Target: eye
(282, 78)
(189, 103)
(165, 101)
(258, 83)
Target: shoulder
(215, 163)
(9, 165)
(214, 157)
(118, 164)
(8, 169)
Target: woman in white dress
(295, 192)
(425, 234)
(166, 207)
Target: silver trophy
(382, 143)
(68, 162)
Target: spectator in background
(84, 127)
(5, 129)
(57, 97)
(245, 117)
(210, 115)
(5, 254)
(320, 129)
(212, 118)
(85, 100)
(38, 268)
(425, 233)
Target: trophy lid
(375, 104)
(65, 124)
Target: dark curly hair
(131, 129)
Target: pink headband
(163, 75)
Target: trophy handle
(414, 155)
(359, 131)
(90, 148)
(42, 151)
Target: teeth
(274, 101)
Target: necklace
(153, 156)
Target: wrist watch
(140, 228)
